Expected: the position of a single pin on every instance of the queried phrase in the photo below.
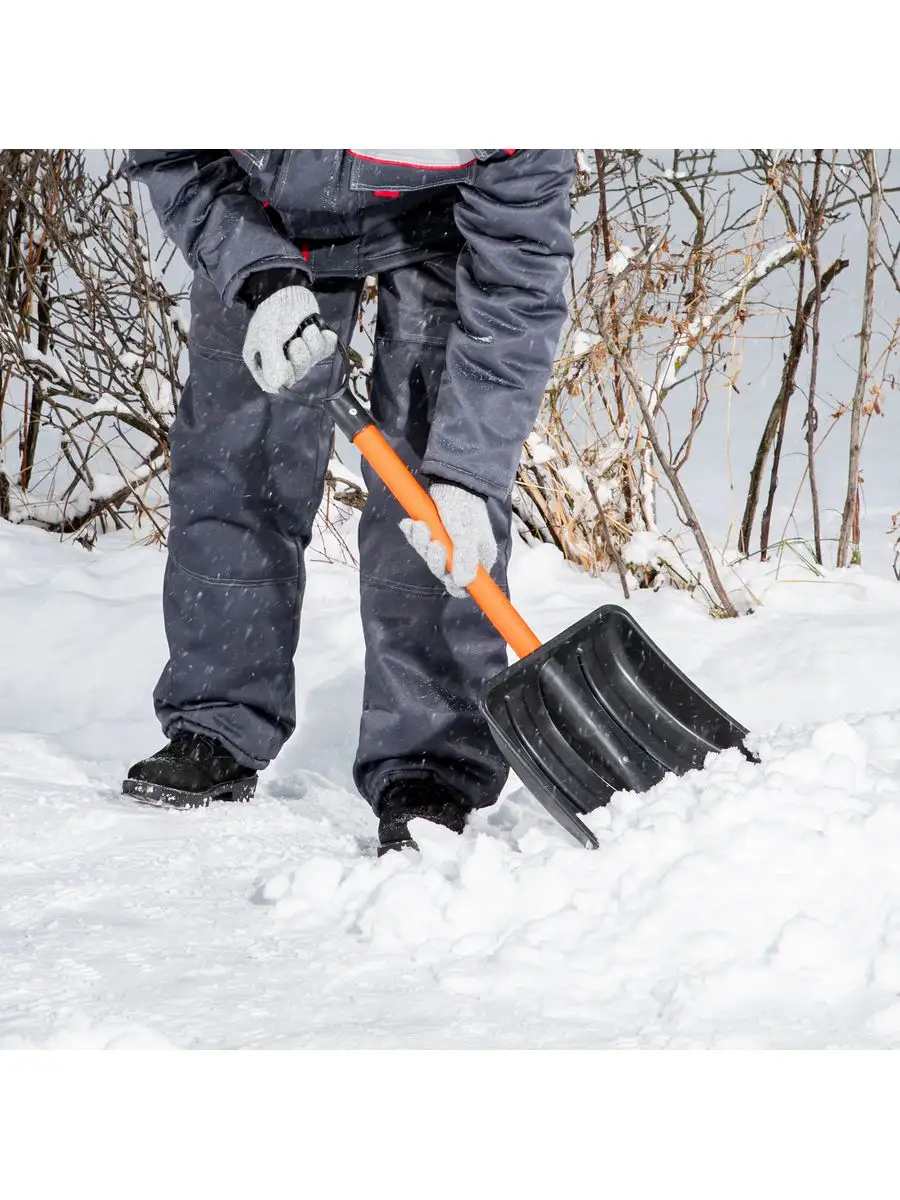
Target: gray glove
(274, 357)
(466, 519)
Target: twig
(610, 544)
(690, 516)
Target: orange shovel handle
(416, 502)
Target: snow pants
(246, 482)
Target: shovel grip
(416, 503)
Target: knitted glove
(465, 517)
(274, 356)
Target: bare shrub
(677, 260)
(91, 343)
(91, 355)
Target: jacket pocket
(409, 170)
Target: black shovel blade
(600, 709)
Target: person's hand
(465, 517)
(275, 354)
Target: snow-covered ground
(742, 906)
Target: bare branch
(850, 519)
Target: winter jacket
(238, 213)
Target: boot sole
(157, 796)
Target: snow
(181, 319)
(50, 361)
(538, 449)
(643, 548)
(702, 322)
(111, 406)
(765, 266)
(574, 480)
(106, 485)
(81, 500)
(582, 342)
(740, 906)
(158, 392)
(619, 260)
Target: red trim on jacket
(417, 166)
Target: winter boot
(192, 770)
(409, 798)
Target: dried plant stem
(690, 517)
(608, 538)
(848, 538)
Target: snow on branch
(31, 354)
(704, 321)
(90, 345)
(84, 504)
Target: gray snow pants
(247, 479)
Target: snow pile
(741, 905)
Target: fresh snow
(31, 354)
(539, 451)
(619, 260)
(574, 480)
(643, 548)
(158, 392)
(583, 342)
(739, 906)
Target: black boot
(409, 798)
(189, 772)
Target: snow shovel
(597, 709)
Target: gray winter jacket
(236, 213)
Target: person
(470, 249)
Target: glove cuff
(454, 483)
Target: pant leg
(427, 653)
(247, 473)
